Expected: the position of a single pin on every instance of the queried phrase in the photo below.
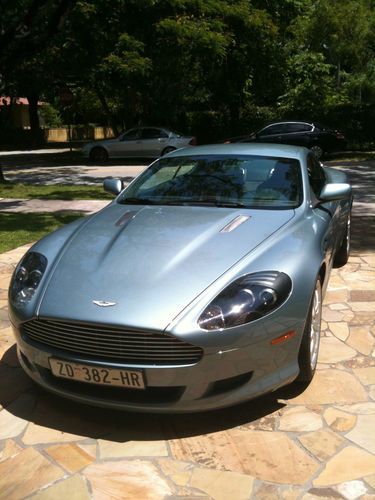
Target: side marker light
(283, 338)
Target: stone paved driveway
(312, 443)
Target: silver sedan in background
(143, 142)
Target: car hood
(150, 261)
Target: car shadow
(65, 168)
(25, 400)
(63, 159)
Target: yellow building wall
(78, 134)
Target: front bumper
(222, 378)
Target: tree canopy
(212, 67)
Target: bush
(49, 116)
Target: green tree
(339, 29)
(27, 30)
(309, 83)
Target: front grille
(107, 342)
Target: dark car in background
(315, 136)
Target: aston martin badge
(103, 303)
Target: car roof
(153, 126)
(157, 127)
(289, 121)
(255, 149)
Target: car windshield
(257, 182)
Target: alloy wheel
(316, 316)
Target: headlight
(27, 277)
(246, 299)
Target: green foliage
(215, 68)
(341, 30)
(309, 82)
(50, 116)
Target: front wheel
(317, 151)
(309, 349)
(342, 255)
(98, 154)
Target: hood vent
(126, 218)
(237, 221)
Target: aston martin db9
(198, 287)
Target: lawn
(53, 192)
(19, 228)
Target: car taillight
(339, 135)
(193, 141)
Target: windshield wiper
(148, 201)
(138, 201)
(214, 203)
(230, 204)
(211, 203)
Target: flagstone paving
(315, 444)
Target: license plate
(132, 379)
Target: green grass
(53, 192)
(17, 229)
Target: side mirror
(337, 191)
(113, 186)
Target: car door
(153, 141)
(297, 134)
(127, 144)
(272, 133)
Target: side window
(316, 174)
(307, 127)
(273, 129)
(131, 135)
(297, 127)
(153, 133)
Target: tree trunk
(107, 111)
(34, 118)
(2, 178)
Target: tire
(317, 151)
(309, 349)
(342, 255)
(167, 150)
(98, 154)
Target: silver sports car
(200, 286)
